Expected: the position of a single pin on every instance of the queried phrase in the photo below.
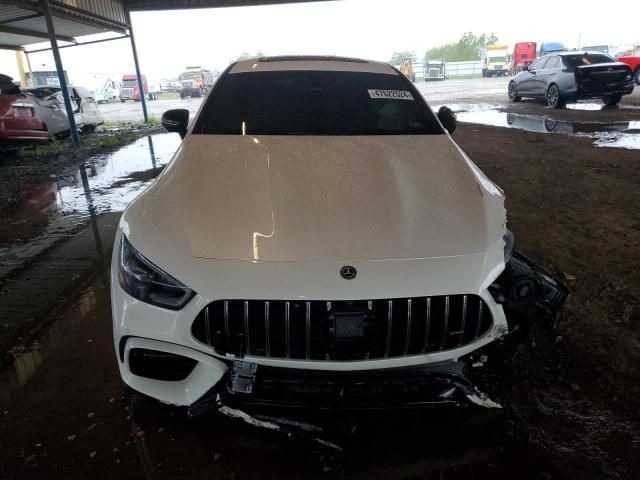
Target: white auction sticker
(392, 94)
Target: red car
(19, 123)
(634, 63)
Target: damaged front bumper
(527, 294)
(441, 385)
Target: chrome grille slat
(463, 320)
(267, 330)
(247, 336)
(307, 327)
(207, 324)
(427, 325)
(408, 331)
(226, 318)
(445, 329)
(389, 327)
(369, 329)
(287, 328)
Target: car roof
(311, 62)
(579, 52)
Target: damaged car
(318, 239)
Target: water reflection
(50, 211)
(27, 360)
(612, 134)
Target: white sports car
(317, 240)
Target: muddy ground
(571, 394)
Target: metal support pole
(143, 100)
(31, 82)
(23, 77)
(46, 9)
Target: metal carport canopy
(142, 5)
(22, 22)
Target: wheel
(181, 94)
(122, 101)
(89, 128)
(553, 97)
(611, 99)
(637, 76)
(513, 92)
(484, 73)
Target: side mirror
(448, 119)
(176, 120)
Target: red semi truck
(524, 53)
(130, 90)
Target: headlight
(143, 280)
(509, 245)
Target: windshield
(315, 103)
(497, 59)
(590, 59)
(189, 76)
(129, 83)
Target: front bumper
(417, 380)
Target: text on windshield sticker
(392, 94)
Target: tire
(637, 76)
(89, 128)
(611, 100)
(122, 101)
(513, 92)
(554, 100)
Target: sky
(169, 41)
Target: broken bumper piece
(440, 385)
(528, 293)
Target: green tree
(247, 56)
(398, 57)
(466, 49)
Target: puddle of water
(56, 208)
(466, 107)
(614, 134)
(599, 106)
(27, 361)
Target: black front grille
(343, 329)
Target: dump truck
(435, 69)
(494, 60)
(195, 82)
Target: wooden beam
(33, 33)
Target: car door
(547, 74)
(527, 85)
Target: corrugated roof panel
(139, 5)
(17, 41)
(9, 12)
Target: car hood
(321, 198)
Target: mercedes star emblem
(348, 272)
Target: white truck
(435, 69)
